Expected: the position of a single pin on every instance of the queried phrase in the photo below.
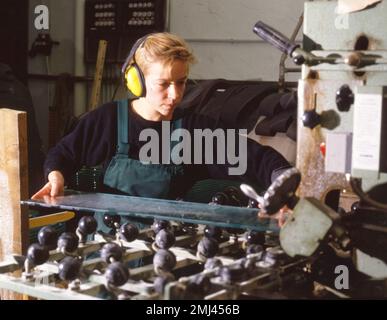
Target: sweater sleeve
(92, 142)
(256, 164)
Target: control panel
(120, 23)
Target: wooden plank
(95, 93)
(13, 186)
(54, 218)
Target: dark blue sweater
(94, 142)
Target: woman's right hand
(54, 187)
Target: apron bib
(132, 176)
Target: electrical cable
(356, 187)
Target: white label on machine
(338, 152)
(366, 131)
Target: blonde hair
(163, 47)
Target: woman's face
(165, 85)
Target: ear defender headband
(134, 78)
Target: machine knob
(111, 250)
(208, 247)
(110, 219)
(213, 232)
(355, 206)
(68, 241)
(311, 119)
(220, 198)
(282, 191)
(129, 232)
(69, 268)
(160, 224)
(165, 239)
(87, 225)
(117, 274)
(344, 98)
(37, 254)
(189, 228)
(47, 236)
(252, 203)
(164, 260)
(234, 196)
(299, 60)
(234, 231)
(255, 237)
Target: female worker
(156, 73)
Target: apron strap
(123, 146)
(122, 130)
(176, 124)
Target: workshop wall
(61, 60)
(219, 31)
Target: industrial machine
(142, 248)
(162, 249)
(341, 133)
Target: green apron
(132, 176)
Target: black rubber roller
(87, 225)
(235, 231)
(159, 225)
(164, 260)
(129, 232)
(165, 239)
(252, 203)
(220, 198)
(117, 274)
(110, 219)
(235, 196)
(111, 250)
(37, 254)
(213, 232)
(208, 247)
(189, 228)
(255, 237)
(48, 236)
(68, 241)
(69, 268)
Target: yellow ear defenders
(134, 78)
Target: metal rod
(282, 68)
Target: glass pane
(220, 215)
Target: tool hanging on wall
(96, 90)
(42, 45)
